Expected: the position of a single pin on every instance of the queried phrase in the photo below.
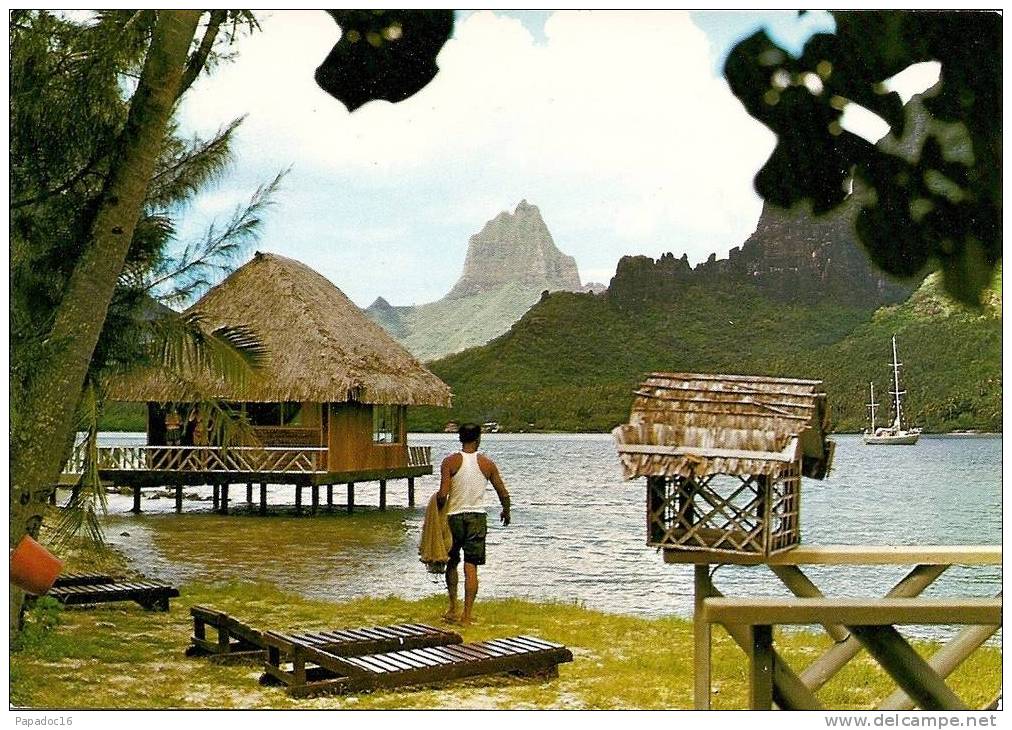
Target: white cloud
(615, 125)
(914, 79)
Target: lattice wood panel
(737, 514)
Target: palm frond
(80, 517)
(185, 345)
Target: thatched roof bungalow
(723, 456)
(331, 377)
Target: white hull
(902, 438)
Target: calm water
(578, 529)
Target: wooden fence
(853, 624)
(419, 455)
(258, 459)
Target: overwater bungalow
(327, 406)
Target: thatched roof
(724, 424)
(320, 346)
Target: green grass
(120, 656)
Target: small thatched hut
(333, 383)
(723, 456)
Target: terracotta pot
(33, 568)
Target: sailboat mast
(872, 405)
(896, 385)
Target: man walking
(463, 478)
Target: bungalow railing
(302, 460)
(419, 455)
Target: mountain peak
(515, 248)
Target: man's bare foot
(451, 617)
(467, 621)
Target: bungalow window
(386, 424)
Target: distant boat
(894, 434)
(490, 427)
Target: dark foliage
(938, 206)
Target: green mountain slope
(450, 325)
(572, 361)
(951, 363)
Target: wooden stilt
(179, 498)
(383, 494)
(224, 498)
(351, 497)
(215, 497)
(52, 497)
(701, 635)
(330, 495)
(137, 501)
(263, 498)
(298, 499)
(761, 668)
(249, 493)
(316, 498)
(411, 491)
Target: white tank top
(467, 489)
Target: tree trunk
(54, 391)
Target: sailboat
(894, 434)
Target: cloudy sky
(618, 125)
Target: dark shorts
(468, 530)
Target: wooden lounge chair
(149, 594)
(237, 641)
(315, 670)
(284, 648)
(84, 579)
(234, 639)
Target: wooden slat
(891, 555)
(420, 657)
(378, 661)
(361, 663)
(435, 654)
(850, 555)
(458, 654)
(406, 658)
(786, 455)
(395, 664)
(527, 643)
(852, 611)
(501, 644)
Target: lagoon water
(578, 532)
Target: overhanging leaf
(383, 54)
